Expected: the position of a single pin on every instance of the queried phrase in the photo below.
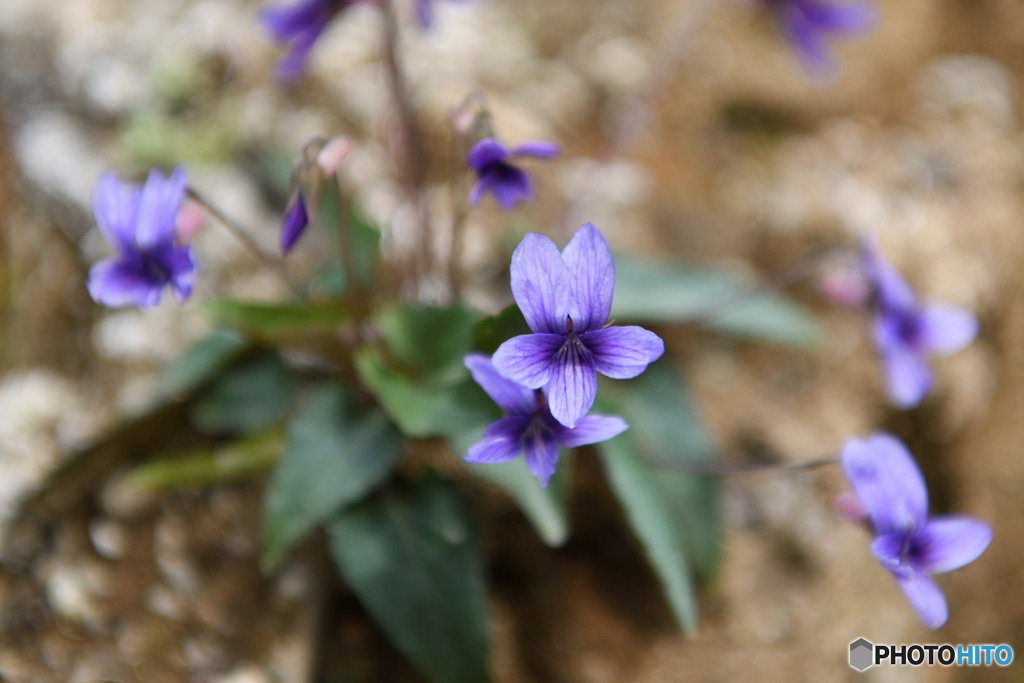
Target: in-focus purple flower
(566, 299)
(529, 427)
(296, 218)
(139, 224)
(509, 184)
(299, 25)
(908, 543)
(807, 23)
(907, 331)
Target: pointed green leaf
(413, 559)
(246, 398)
(334, 455)
(649, 291)
(545, 508)
(427, 340)
(200, 363)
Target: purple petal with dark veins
(536, 148)
(623, 352)
(115, 206)
(948, 543)
(925, 597)
(590, 429)
(593, 277)
(485, 153)
(511, 397)
(946, 329)
(542, 285)
(295, 221)
(528, 359)
(115, 283)
(158, 207)
(502, 441)
(541, 453)
(888, 483)
(573, 383)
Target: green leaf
(334, 455)
(674, 516)
(545, 508)
(364, 239)
(413, 558)
(491, 332)
(200, 363)
(648, 291)
(206, 467)
(426, 408)
(246, 398)
(427, 340)
(270, 320)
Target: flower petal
(485, 153)
(806, 38)
(115, 283)
(947, 329)
(925, 597)
(842, 17)
(888, 483)
(528, 359)
(590, 429)
(542, 285)
(573, 384)
(295, 221)
(502, 441)
(508, 184)
(424, 13)
(158, 207)
(115, 206)
(948, 543)
(513, 398)
(536, 148)
(888, 548)
(891, 290)
(908, 377)
(593, 277)
(182, 268)
(623, 352)
(541, 453)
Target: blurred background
(748, 163)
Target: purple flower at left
(300, 25)
(529, 427)
(139, 224)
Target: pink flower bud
(188, 221)
(333, 153)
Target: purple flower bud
(529, 427)
(907, 542)
(295, 221)
(566, 299)
(907, 331)
(806, 23)
(507, 183)
(139, 224)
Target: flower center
(908, 327)
(155, 270)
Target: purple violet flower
(509, 184)
(139, 224)
(907, 331)
(296, 218)
(529, 427)
(908, 543)
(299, 25)
(566, 299)
(805, 24)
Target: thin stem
(718, 469)
(246, 239)
(635, 113)
(353, 287)
(459, 213)
(411, 158)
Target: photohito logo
(864, 654)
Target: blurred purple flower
(139, 224)
(908, 543)
(425, 12)
(529, 428)
(806, 23)
(299, 25)
(509, 184)
(566, 299)
(907, 331)
(296, 218)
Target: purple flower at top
(806, 23)
(566, 299)
(509, 184)
(907, 543)
(907, 331)
(139, 224)
(299, 25)
(529, 427)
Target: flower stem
(353, 287)
(246, 239)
